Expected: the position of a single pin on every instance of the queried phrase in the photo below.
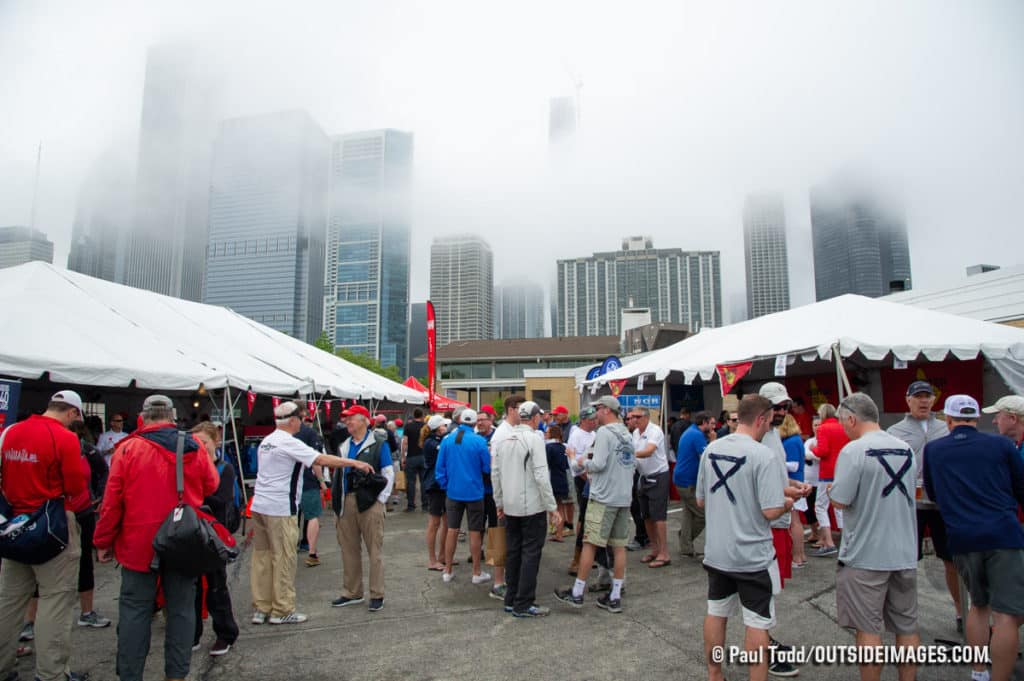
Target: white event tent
(87, 331)
(847, 325)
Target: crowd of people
(757, 483)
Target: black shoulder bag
(187, 544)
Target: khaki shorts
(867, 600)
(606, 525)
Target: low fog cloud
(686, 108)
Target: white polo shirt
(278, 489)
(657, 462)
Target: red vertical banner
(275, 402)
(431, 349)
(327, 409)
(250, 398)
(311, 405)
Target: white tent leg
(842, 380)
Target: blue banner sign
(10, 393)
(649, 401)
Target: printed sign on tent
(10, 393)
(780, 365)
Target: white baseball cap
(467, 416)
(69, 397)
(1012, 404)
(961, 406)
(776, 392)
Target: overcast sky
(686, 108)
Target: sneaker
(291, 618)
(634, 546)
(447, 576)
(258, 617)
(533, 611)
(800, 565)
(497, 591)
(782, 669)
(410, 509)
(509, 609)
(28, 632)
(607, 603)
(343, 601)
(221, 647)
(772, 643)
(376, 604)
(22, 651)
(313, 560)
(93, 619)
(565, 595)
(823, 552)
(196, 646)
(481, 578)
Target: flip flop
(658, 563)
(436, 568)
(648, 558)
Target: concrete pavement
(432, 630)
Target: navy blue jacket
(977, 480)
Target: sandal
(659, 563)
(649, 557)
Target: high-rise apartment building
(19, 245)
(462, 288)
(418, 341)
(860, 240)
(167, 242)
(268, 221)
(519, 311)
(366, 286)
(679, 287)
(764, 244)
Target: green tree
(391, 372)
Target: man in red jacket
(141, 491)
(40, 461)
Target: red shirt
(831, 439)
(41, 461)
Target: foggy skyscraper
(268, 221)
(519, 311)
(679, 287)
(366, 288)
(418, 341)
(764, 243)
(102, 217)
(462, 288)
(562, 119)
(167, 242)
(860, 240)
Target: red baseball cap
(380, 418)
(487, 409)
(356, 409)
(398, 422)
(560, 409)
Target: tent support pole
(238, 455)
(664, 405)
(842, 380)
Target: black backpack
(187, 544)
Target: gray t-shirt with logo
(737, 479)
(772, 441)
(611, 470)
(874, 479)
